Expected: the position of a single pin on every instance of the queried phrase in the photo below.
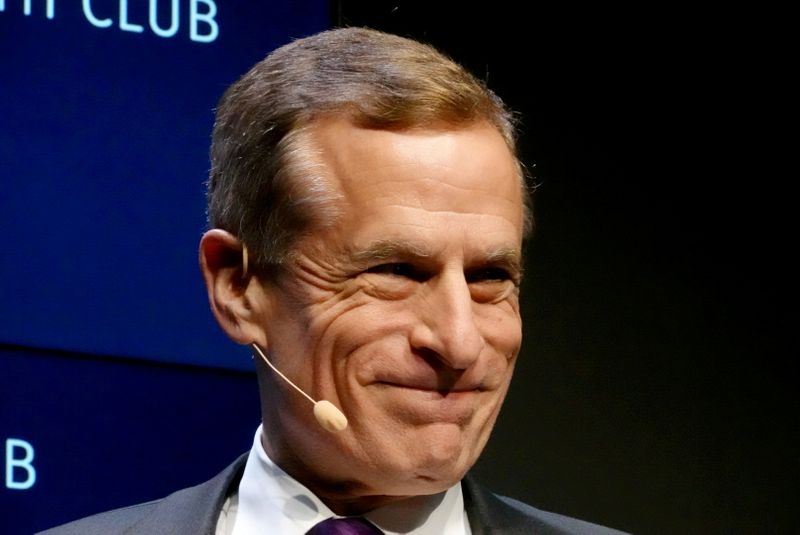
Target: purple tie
(344, 526)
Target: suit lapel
(489, 515)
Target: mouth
(421, 403)
(438, 390)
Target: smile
(433, 391)
(422, 405)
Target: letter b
(195, 17)
(24, 463)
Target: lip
(420, 404)
(442, 381)
(442, 392)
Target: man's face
(404, 314)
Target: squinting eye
(396, 268)
(492, 274)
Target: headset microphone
(326, 413)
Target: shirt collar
(270, 500)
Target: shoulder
(491, 513)
(116, 521)
(193, 510)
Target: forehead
(465, 169)
(450, 195)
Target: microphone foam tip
(329, 416)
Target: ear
(236, 298)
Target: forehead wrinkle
(433, 211)
(424, 183)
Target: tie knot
(344, 526)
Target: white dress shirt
(271, 501)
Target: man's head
(265, 186)
(376, 186)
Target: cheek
(501, 327)
(365, 337)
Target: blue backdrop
(111, 366)
(103, 147)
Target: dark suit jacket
(194, 511)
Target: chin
(434, 462)
(417, 484)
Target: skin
(404, 312)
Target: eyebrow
(382, 250)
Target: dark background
(653, 390)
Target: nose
(447, 326)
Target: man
(367, 213)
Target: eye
(489, 274)
(492, 284)
(391, 280)
(398, 269)
(394, 268)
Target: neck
(343, 497)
